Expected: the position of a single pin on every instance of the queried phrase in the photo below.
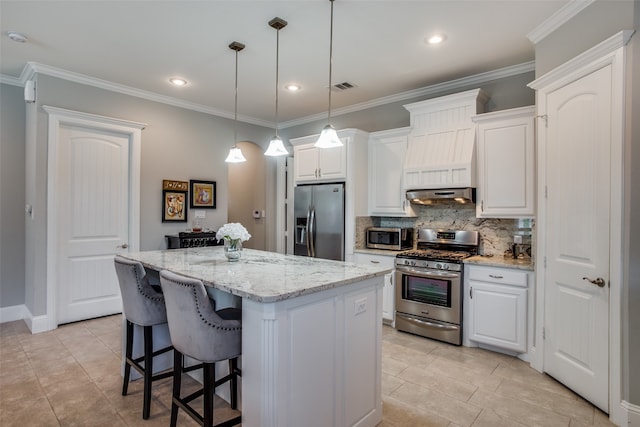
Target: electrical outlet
(360, 306)
(517, 239)
(200, 214)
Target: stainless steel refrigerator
(319, 221)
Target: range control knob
(439, 266)
(445, 266)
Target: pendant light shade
(235, 154)
(329, 137)
(276, 145)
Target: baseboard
(630, 414)
(13, 313)
(36, 324)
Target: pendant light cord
(235, 111)
(277, 67)
(330, 60)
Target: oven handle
(427, 274)
(432, 325)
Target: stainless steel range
(429, 284)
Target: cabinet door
(506, 168)
(386, 163)
(498, 315)
(306, 163)
(332, 162)
(388, 292)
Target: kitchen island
(311, 332)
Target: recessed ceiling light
(17, 37)
(177, 81)
(293, 87)
(435, 38)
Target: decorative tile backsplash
(496, 235)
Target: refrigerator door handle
(312, 229)
(306, 231)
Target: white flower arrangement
(234, 232)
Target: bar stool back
(144, 306)
(203, 334)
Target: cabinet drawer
(382, 260)
(504, 276)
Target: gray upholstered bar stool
(205, 335)
(144, 306)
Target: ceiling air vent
(343, 86)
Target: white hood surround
(441, 152)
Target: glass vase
(233, 249)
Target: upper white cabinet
(506, 163)
(319, 164)
(441, 149)
(387, 150)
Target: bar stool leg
(233, 370)
(209, 379)
(128, 356)
(177, 379)
(148, 370)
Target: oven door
(434, 294)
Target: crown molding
(464, 82)
(33, 68)
(555, 21)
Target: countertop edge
(498, 261)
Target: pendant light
(329, 137)
(276, 146)
(235, 154)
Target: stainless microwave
(394, 239)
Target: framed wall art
(174, 206)
(203, 194)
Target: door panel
(578, 180)
(93, 206)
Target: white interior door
(577, 236)
(92, 211)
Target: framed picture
(203, 194)
(174, 206)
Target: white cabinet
(506, 150)
(497, 307)
(388, 294)
(386, 162)
(314, 164)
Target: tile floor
(71, 377)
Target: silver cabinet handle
(374, 262)
(496, 276)
(123, 246)
(598, 282)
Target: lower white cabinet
(497, 307)
(388, 294)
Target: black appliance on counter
(192, 240)
(429, 284)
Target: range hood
(442, 195)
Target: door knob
(123, 246)
(599, 281)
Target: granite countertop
(386, 252)
(259, 275)
(500, 261)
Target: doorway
(93, 189)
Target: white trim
(33, 67)
(58, 117)
(557, 20)
(610, 52)
(630, 414)
(12, 313)
(36, 324)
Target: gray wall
(12, 157)
(596, 23)
(176, 144)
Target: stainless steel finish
(391, 238)
(445, 195)
(319, 221)
(598, 282)
(441, 236)
(433, 329)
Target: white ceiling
(378, 46)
